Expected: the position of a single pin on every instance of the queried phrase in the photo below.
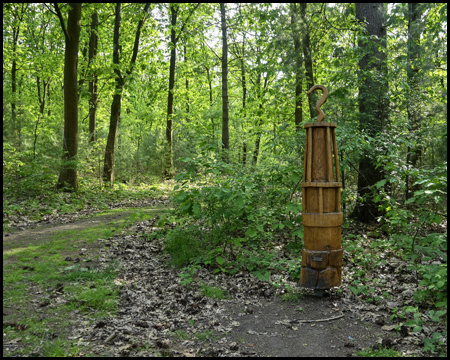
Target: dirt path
(159, 316)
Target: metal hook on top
(322, 100)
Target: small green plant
(213, 292)
(182, 335)
(380, 352)
(187, 274)
(204, 335)
(184, 244)
(292, 295)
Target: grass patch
(184, 245)
(44, 289)
(213, 292)
(202, 336)
(380, 352)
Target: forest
(193, 116)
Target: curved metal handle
(322, 100)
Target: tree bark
(225, 115)
(168, 171)
(15, 128)
(307, 53)
(296, 28)
(108, 166)
(373, 103)
(93, 41)
(42, 100)
(414, 153)
(68, 175)
(260, 94)
(188, 108)
(244, 99)
(14, 81)
(210, 101)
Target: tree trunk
(312, 98)
(414, 153)
(68, 175)
(188, 110)
(108, 166)
(14, 81)
(244, 98)
(225, 116)
(168, 171)
(260, 94)
(373, 103)
(93, 41)
(18, 19)
(42, 99)
(296, 27)
(210, 102)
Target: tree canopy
(236, 85)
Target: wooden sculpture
(322, 217)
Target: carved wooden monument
(322, 216)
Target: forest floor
(158, 314)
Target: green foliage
(213, 292)
(232, 217)
(184, 245)
(380, 352)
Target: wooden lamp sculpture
(322, 217)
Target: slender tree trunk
(414, 153)
(225, 116)
(307, 53)
(14, 81)
(260, 90)
(373, 103)
(210, 101)
(18, 19)
(42, 100)
(93, 41)
(244, 98)
(187, 88)
(108, 165)
(296, 33)
(68, 176)
(168, 171)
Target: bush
(231, 215)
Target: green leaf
(417, 329)
(380, 183)
(263, 275)
(295, 177)
(239, 201)
(251, 232)
(298, 233)
(220, 260)
(237, 242)
(196, 208)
